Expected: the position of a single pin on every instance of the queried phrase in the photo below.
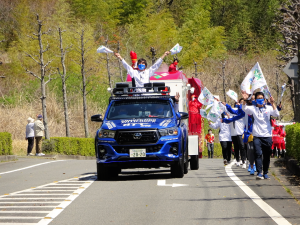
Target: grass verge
(285, 187)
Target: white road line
(40, 206)
(58, 209)
(20, 217)
(17, 223)
(28, 212)
(28, 167)
(279, 219)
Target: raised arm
(215, 125)
(275, 111)
(129, 68)
(231, 110)
(240, 114)
(157, 64)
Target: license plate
(137, 153)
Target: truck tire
(177, 170)
(102, 172)
(194, 163)
(186, 157)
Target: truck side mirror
(97, 118)
(183, 115)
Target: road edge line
(278, 218)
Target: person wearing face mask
(224, 137)
(194, 115)
(142, 74)
(262, 131)
(237, 125)
(209, 139)
(173, 66)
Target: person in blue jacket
(237, 125)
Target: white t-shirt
(262, 125)
(225, 133)
(142, 77)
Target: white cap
(30, 120)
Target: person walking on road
(237, 129)
(30, 135)
(224, 137)
(262, 131)
(209, 139)
(38, 134)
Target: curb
(8, 157)
(293, 166)
(74, 157)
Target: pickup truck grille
(137, 137)
(149, 149)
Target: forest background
(224, 38)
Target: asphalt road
(140, 196)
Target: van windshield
(140, 109)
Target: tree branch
(33, 74)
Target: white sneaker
(244, 166)
(238, 164)
(39, 154)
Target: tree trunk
(63, 80)
(223, 76)
(43, 85)
(84, 93)
(44, 110)
(108, 72)
(297, 87)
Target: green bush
(5, 143)
(70, 146)
(217, 150)
(293, 141)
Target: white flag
(233, 95)
(203, 113)
(206, 98)
(254, 80)
(283, 87)
(103, 49)
(215, 111)
(176, 49)
(264, 89)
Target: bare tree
(109, 75)
(63, 76)
(153, 55)
(223, 78)
(83, 50)
(288, 23)
(119, 63)
(44, 70)
(196, 69)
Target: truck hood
(153, 123)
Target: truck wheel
(102, 172)
(186, 156)
(177, 170)
(194, 163)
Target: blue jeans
(263, 149)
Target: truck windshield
(139, 109)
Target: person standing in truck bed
(142, 74)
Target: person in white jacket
(224, 137)
(142, 74)
(262, 131)
(30, 135)
(38, 134)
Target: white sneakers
(237, 163)
(39, 154)
(244, 166)
(30, 154)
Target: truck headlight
(172, 131)
(106, 133)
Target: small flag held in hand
(103, 49)
(176, 49)
(233, 95)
